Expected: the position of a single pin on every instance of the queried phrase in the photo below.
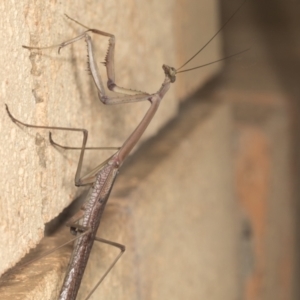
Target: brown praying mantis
(103, 176)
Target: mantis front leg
(129, 95)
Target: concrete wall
(206, 205)
(44, 88)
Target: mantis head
(170, 72)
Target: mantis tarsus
(103, 176)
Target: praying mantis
(103, 176)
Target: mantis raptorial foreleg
(130, 95)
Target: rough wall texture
(205, 207)
(44, 88)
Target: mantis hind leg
(122, 250)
